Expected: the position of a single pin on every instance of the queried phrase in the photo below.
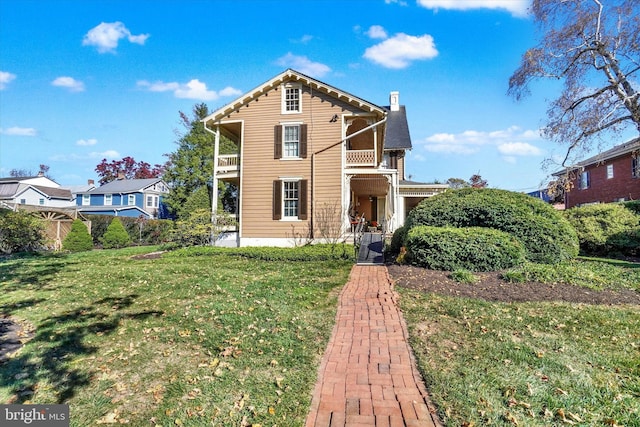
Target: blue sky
(85, 80)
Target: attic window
(291, 98)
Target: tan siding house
(311, 158)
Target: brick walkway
(367, 376)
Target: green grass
(533, 364)
(197, 337)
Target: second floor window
(290, 141)
(609, 171)
(86, 200)
(131, 199)
(41, 202)
(108, 198)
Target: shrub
(144, 232)
(78, 238)
(463, 276)
(606, 228)
(397, 242)
(471, 248)
(115, 236)
(21, 231)
(195, 230)
(545, 234)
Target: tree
(78, 238)
(116, 236)
(190, 167)
(109, 171)
(22, 173)
(475, 181)
(593, 47)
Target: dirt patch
(150, 255)
(491, 287)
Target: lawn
(194, 337)
(490, 361)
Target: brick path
(367, 376)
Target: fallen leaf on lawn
(509, 417)
(110, 418)
(272, 410)
(561, 391)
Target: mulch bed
(491, 288)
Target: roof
(295, 76)
(618, 150)
(8, 188)
(397, 130)
(406, 183)
(54, 193)
(124, 186)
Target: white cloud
(194, 89)
(515, 7)
(74, 157)
(401, 49)
(87, 142)
(303, 65)
(18, 131)
(106, 36)
(70, 83)
(377, 32)
(400, 2)
(6, 78)
(507, 141)
(109, 154)
(519, 149)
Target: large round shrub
(545, 234)
(469, 248)
(606, 228)
(21, 231)
(78, 238)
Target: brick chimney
(394, 101)
(120, 175)
(91, 182)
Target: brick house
(611, 176)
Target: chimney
(120, 175)
(91, 182)
(394, 101)
(40, 174)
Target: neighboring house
(34, 191)
(124, 197)
(611, 176)
(311, 158)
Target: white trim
(104, 201)
(283, 104)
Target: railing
(357, 234)
(228, 163)
(361, 158)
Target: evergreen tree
(116, 236)
(78, 238)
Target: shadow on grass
(48, 359)
(31, 272)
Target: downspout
(313, 162)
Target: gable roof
(291, 75)
(618, 150)
(49, 192)
(124, 186)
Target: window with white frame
(609, 171)
(41, 202)
(131, 199)
(23, 201)
(291, 98)
(152, 201)
(290, 199)
(86, 199)
(291, 141)
(108, 199)
(584, 180)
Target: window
(86, 199)
(41, 202)
(290, 141)
(23, 201)
(584, 180)
(290, 199)
(131, 199)
(291, 97)
(108, 199)
(152, 201)
(609, 171)
(635, 167)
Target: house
(34, 191)
(124, 197)
(611, 176)
(311, 158)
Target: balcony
(228, 164)
(361, 158)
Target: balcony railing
(361, 158)
(228, 163)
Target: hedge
(468, 248)
(606, 229)
(545, 234)
(141, 231)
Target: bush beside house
(78, 238)
(546, 235)
(143, 232)
(115, 236)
